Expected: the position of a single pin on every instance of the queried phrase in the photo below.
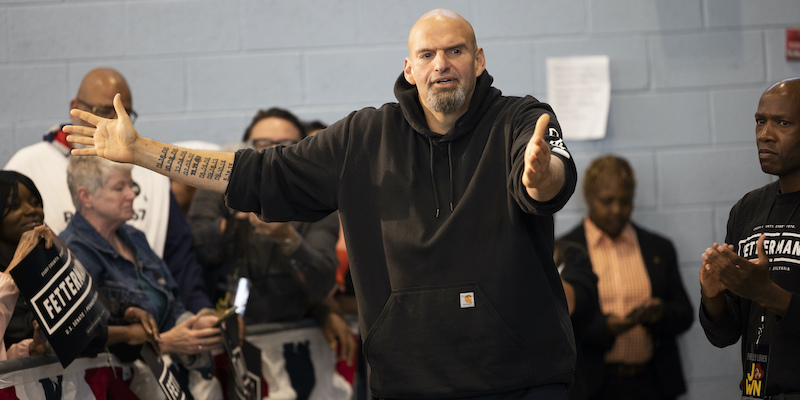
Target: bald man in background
(156, 212)
(446, 200)
(750, 285)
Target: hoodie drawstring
(433, 177)
(450, 165)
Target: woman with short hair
(117, 255)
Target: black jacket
(665, 281)
(451, 259)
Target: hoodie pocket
(428, 341)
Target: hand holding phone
(227, 315)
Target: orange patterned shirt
(622, 284)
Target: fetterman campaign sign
(60, 294)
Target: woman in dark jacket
(629, 348)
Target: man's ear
(480, 62)
(408, 72)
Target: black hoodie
(451, 260)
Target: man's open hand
(112, 138)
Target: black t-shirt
(766, 211)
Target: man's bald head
(97, 91)
(442, 19)
(789, 89)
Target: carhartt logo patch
(467, 299)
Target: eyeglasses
(264, 143)
(107, 111)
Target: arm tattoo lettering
(228, 171)
(218, 175)
(171, 159)
(181, 158)
(195, 163)
(211, 170)
(204, 168)
(162, 157)
(187, 164)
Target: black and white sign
(60, 294)
(166, 379)
(244, 361)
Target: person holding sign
(125, 268)
(21, 211)
(22, 229)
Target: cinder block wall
(686, 76)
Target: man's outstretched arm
(117, 140)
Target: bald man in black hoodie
(446, 200)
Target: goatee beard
(447, 100)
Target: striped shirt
(622, 284)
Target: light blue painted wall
(686, 76)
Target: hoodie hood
(482, 98)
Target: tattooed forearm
(171, 159)
(162, 157)
(208, 170)
(189, 164)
